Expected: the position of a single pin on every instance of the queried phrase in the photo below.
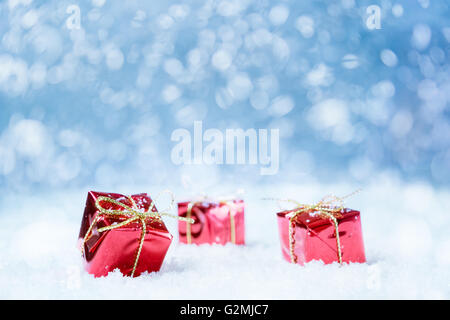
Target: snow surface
(405, 228)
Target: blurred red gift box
(214, 222)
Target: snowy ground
(406, 233)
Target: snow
(281, 106)
(278, 15)
(221, 60)
(114, 58)
(405, 230)
(305, 25)
(240, 86)
(389, 58)
(421, 36)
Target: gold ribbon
(192, 204)
(131, 214)
(330, 207)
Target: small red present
(214, 222)
(124, 232)
(321, 232)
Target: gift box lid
(142, 200)
(311, 220)
(209, 203)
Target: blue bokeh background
(97, 105)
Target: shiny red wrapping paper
(315, 237)
(212, 222)
(117, 248)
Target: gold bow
(191, 205)
(330, 207)
(133, 213)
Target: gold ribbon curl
(131, 214)
(228, 202)
(330, 207)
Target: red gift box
(214, 222)
(139, 245)
(310, 235)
